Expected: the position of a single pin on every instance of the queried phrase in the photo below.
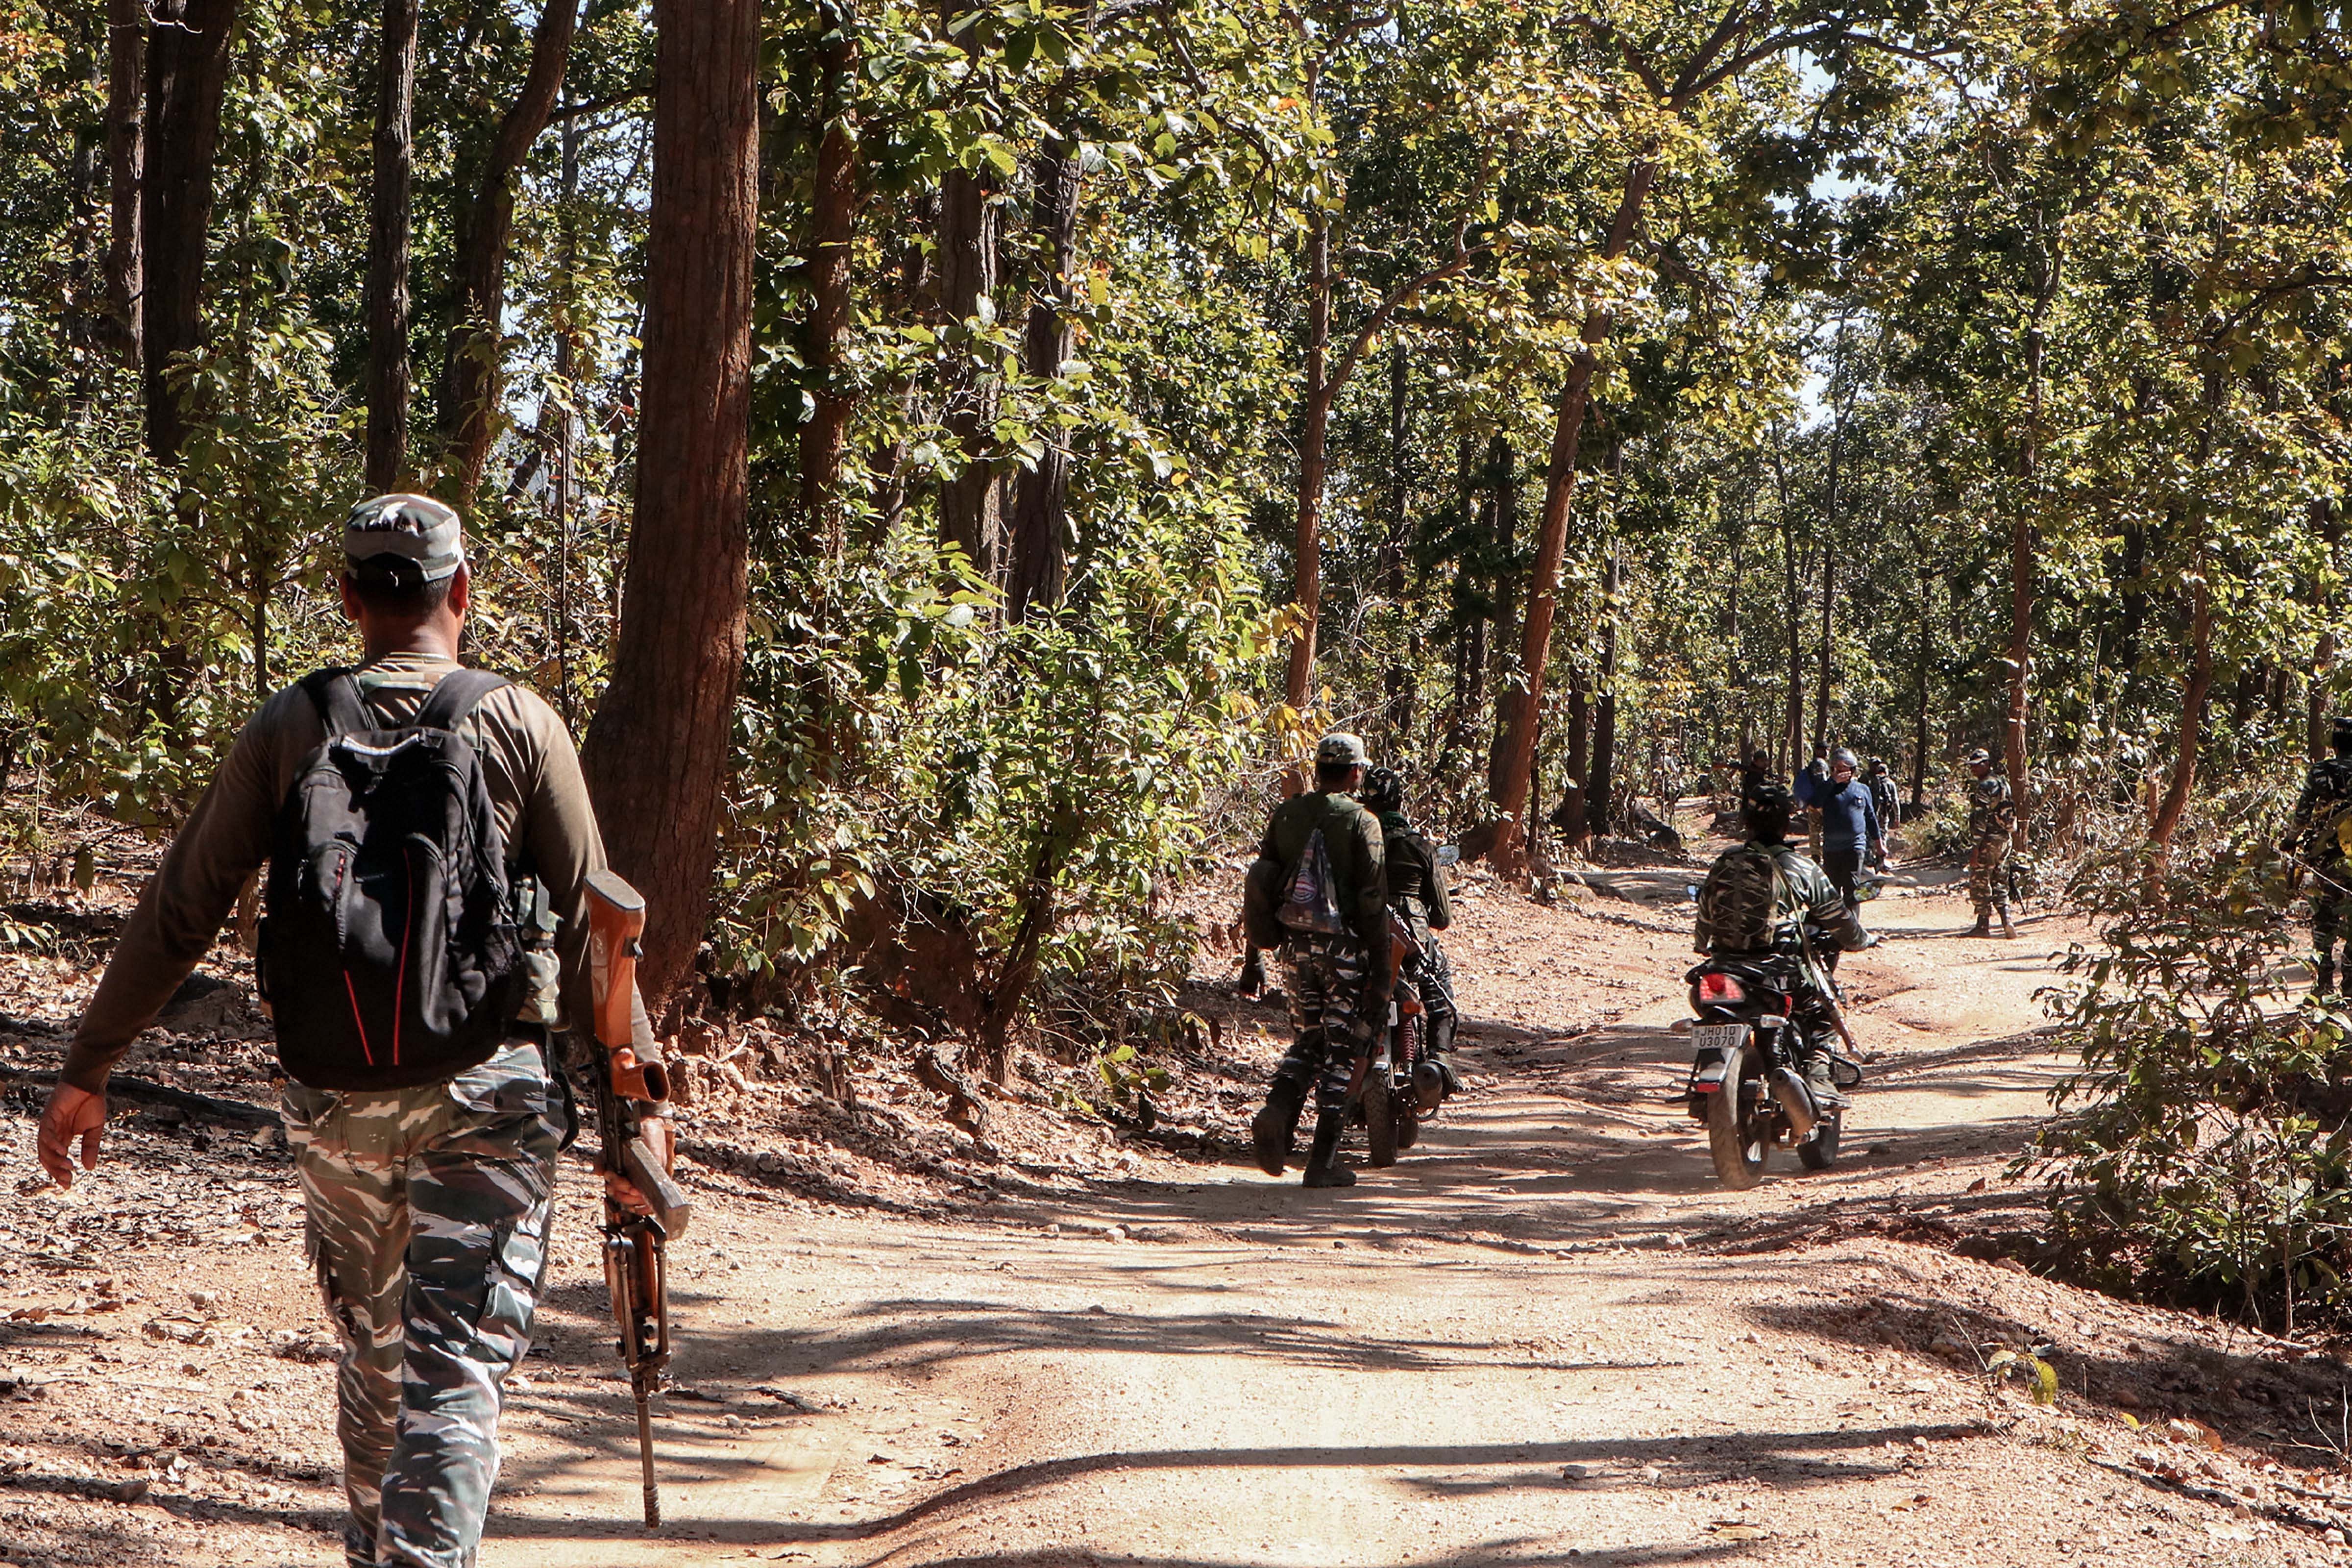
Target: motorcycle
(1388, 1102)
(1747, 1082)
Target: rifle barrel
(646, 1458)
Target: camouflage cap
(1978, 758)
(403, 541)
(2341, 728)
(1341, 749)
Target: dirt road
(1546, 1336)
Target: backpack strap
(453, 696)
(337, 697)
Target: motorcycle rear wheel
(1738, 1136)
(1819, 1152)
(1380, 1118)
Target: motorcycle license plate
(1720, 1038)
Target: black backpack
(390, 953)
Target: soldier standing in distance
(426, 1200)
(1329, 971)
(1992, 818)
(2311, 836)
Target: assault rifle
(631, 1086)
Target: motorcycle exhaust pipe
(1797, 1101)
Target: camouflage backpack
(1739, 907)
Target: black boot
(1323, 1167)
(2323, 978)
(1822, 1084)
(1272, 1129)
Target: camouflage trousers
(427, 1224)
(1989, 876)
(1325, 979)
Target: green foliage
(2209, 1153)
(1914, 287)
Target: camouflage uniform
(1326, 976)
(427, 1224)
(2311, 835)
(427, 1206)
(1993, 819)
(1743, 901)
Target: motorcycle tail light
(1720, 988)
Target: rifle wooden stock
(617, 919)
(668, 1201)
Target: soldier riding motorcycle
(1417, 900)
(1764, 1072)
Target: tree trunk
(970, 506)
(2193, 693)
(1829, 558)
(1398, 678)
(2329, 517)
(2022, 554)
(1306, 584)
(1735, 684)
(832, 227)
(657, 753)
(1580, 753)
(1042, 497)
(1504, 533)
(470, 380)
(187, 67)
(567, 262)
(126, 158)
(1508, 853)
(1825, 672)
(1795, 726)
(1919, 724)
(1601, 783)
(388, 223)
(89, 322)
(1468, 621)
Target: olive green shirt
(1352, 838)
(536, 790)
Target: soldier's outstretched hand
(72, 1113)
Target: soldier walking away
(1417, 892)
(1993, 819)
(1883, 789)
(425, 1107)
(2314, 836)
(1319, 891)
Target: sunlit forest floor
(1547, 1335)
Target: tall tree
(1327, 36)
(187, 70)
(657, 755)
(126, 166)
(971, 516)
(388, 246)
(470, 381)
(1672, 73)
(1041, 497)
(832, 230)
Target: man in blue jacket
(1850, 830)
